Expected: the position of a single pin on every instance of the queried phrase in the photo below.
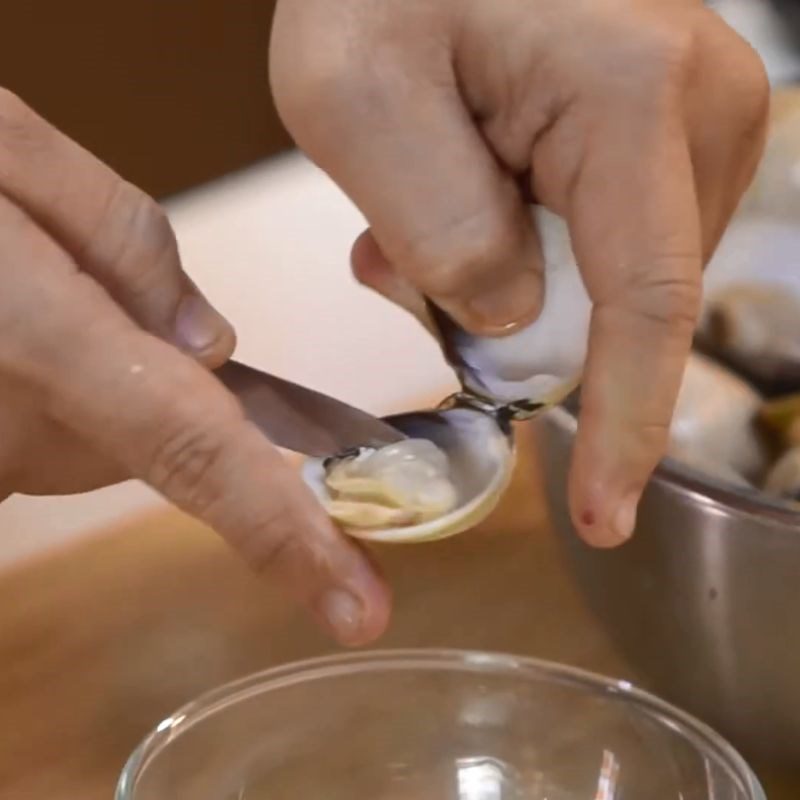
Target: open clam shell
(503, 379)
(541, 364)
(480, 454)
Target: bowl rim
(700, 736)
(707, 489)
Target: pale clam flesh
(400, 484)
(438, 492)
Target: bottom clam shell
(482, 458)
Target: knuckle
(671, 48)
(321, 99)
(463, 253)
(134, 238)
(144, 220)
(667, 297)
(187, 465)
(312, 95)
(447, 279)
(272, 542)
(660, 47)
(194, 465)
(325, 81)
(27, 259)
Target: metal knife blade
(301, 419)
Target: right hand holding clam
(452, 470)
(639, 122)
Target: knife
(301, 419)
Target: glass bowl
(433, 725)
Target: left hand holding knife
(641, 122)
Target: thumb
(372, 270)
(447, 218)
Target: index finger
(635, 226)
(114, 231)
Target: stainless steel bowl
(704, 601)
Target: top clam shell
(542, 363)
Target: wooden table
(102, 640)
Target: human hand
(640, 122)
(105, 346)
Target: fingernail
(343, 614)
(511, 304)
(625, 518)
(198, 326)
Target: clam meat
(401, 484)
(446, 477)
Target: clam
(781, 417)
(453, 467)
(714, 426)
(446, 477)
(755, 327)
(783, 479)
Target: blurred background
(174, 94)
(171, 94)
(175, 97)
